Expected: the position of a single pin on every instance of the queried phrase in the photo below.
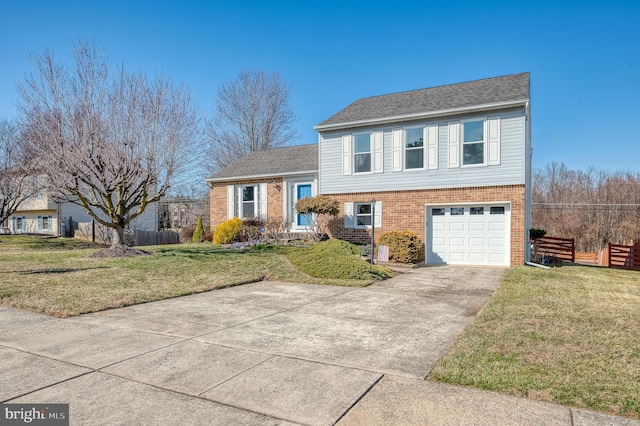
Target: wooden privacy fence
(155, 238)
(627, 257)
(91, 231)
(559, 248)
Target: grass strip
(567, 335)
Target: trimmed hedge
(335, 259)
(404, 247)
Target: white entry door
(469, 234)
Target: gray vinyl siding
(510, 171)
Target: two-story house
(41, 214)
(450, 163)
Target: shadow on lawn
(196, 252)
(57, 270)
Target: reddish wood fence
(627, 257)
(559, 248)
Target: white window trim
(354, 153)
(235, 203)
(355, 216)
(485, 142)
(351, 217)
(405, 149)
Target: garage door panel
(456, 257)
(477, 257)
(456, 226)
(476, 241)
(439, 226)
(456, 242)
(477, 226)
(496, 226)
(496, 242)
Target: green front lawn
(55, 276)
(568, 335)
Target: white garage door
(475, 234)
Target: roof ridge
(442, 85)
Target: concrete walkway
(269, 353)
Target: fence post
(573, 250)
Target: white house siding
(510, 171)
(31, 214)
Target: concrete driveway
(264, 353)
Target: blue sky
(584, 56)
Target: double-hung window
(473, 142)
(363, 215)
(414, 148)
(362, 153)
(44, 223)
(247, 201)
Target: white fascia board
(421, 115)
(265, 176)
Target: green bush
(228, 232)
(404, 247)
(321, 210)
(335, 259)
(198, 234)
(320, 204)
(535, 233)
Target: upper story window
(473, 142)
(362, 153)
(414, 148)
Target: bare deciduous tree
(110, 142)
(594, 207)
(253, 113)
(15, 183)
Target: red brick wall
(218, 198)
(404, 210)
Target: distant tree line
(594, 207)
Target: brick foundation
(401, 210)
(405, 210)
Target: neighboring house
(179, 212)
(266, 184)
(41, 215)
(450, 163)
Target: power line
(587, 204)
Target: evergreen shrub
(198, 233)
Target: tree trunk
(118, 236)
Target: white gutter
(269, 175)
(421, 115)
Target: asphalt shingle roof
(272, 162)
(514, 87)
